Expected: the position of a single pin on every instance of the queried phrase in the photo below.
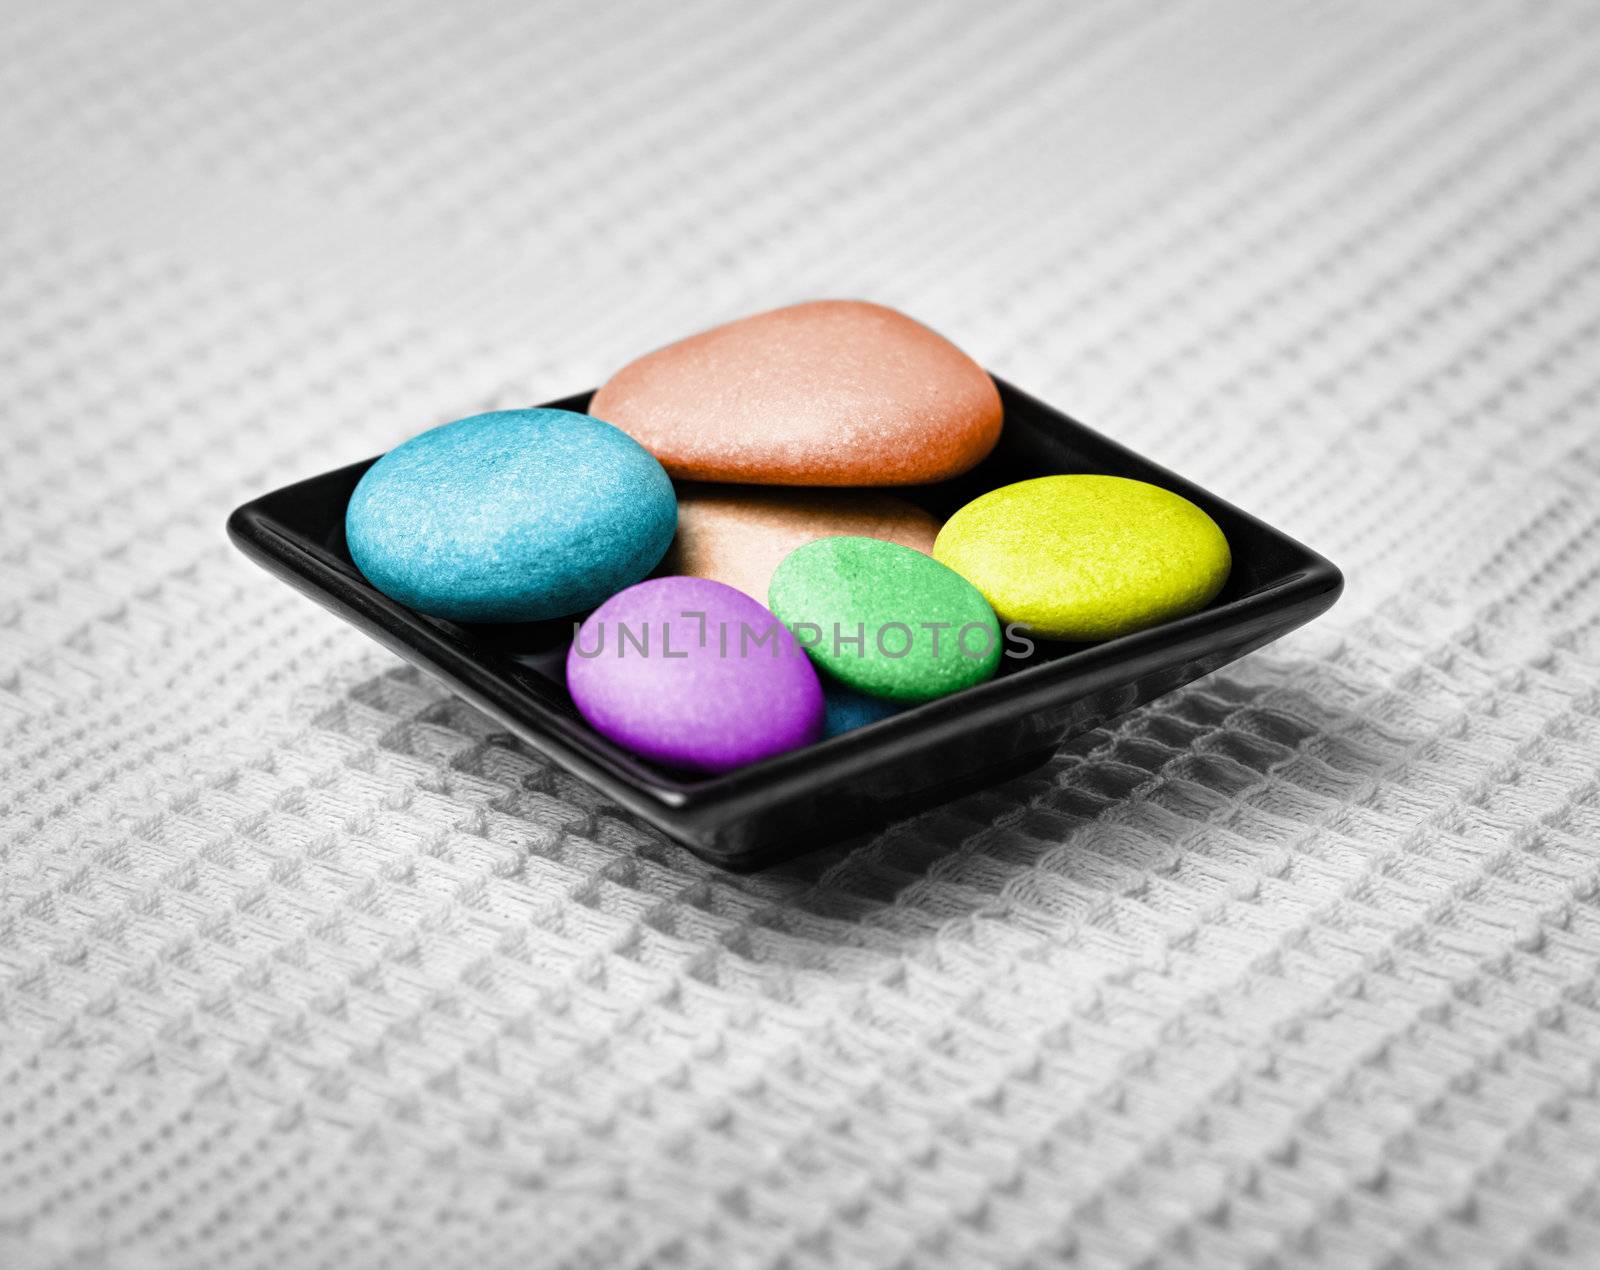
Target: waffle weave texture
(304, 963)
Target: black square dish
(802, 799)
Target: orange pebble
(739, 535)
(833, 392)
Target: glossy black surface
(802, 799)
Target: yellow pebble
(1086, 557)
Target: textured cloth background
(304, 963)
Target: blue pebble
(844, 709)
(515, 516)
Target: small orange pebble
(832, 392)
(739, 534)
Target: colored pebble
(1085, 557)
(886, 620)
(514, 516)
(845, 711)
(693, 674)
(738, 534)
(833, 392)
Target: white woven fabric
(303, 963)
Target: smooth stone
(892, 597)
(738, 534)
(514, 516)
(845, 711)
(642, 675)
(833, 392)
(1085, 557)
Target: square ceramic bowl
(789, 804)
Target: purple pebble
(693, 674)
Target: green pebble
(832, 590)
